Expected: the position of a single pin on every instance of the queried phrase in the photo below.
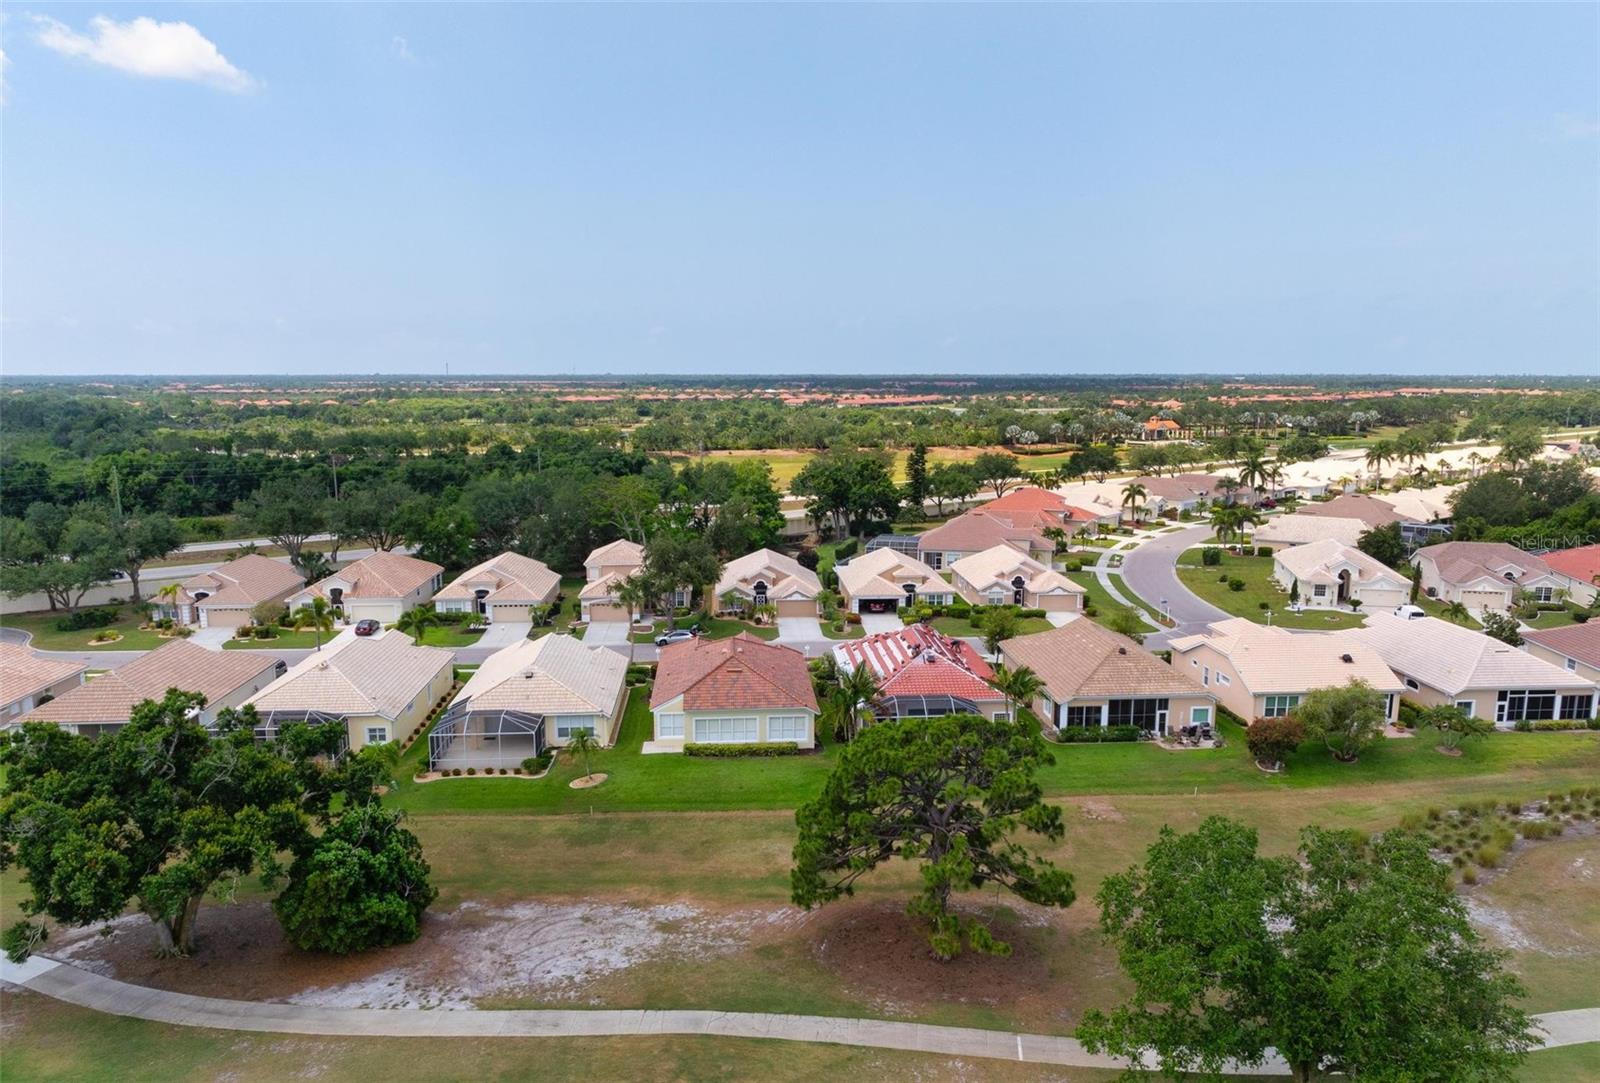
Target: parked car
(677, 635)
(1266, 502)
(368, 627)
(1409, 612)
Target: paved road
(98, 993)
(1150, 572)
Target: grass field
(284, 640)
(1258, 587)
(42, 626)
(787, 462)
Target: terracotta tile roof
(729, 674)
(1580, 641)
(357, 675)
(977, 530)
(381, 575)
(1275, 660)
(919, 661)
(1029, 498)
(243, 582)
(23, 673)
(1082, 659)
(785, 576)
(621, 551)
(112, 696)
(511, 579)
(1582, 564)
(1453, 659)
(1460, 562)
(1369, 510)
(885, 572)
(554, 674)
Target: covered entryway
(1342, 593)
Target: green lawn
(47, 638)
(1098, 597)
(449, 635)
(284, 640)
(1552, 618)
(723, 627)
(1435, 608)
(961, 626)
(1258, 587)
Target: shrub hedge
(725, 751)
(1094, 735)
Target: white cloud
(146, 48)
(402, 49)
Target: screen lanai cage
(926, 706)
(271, 723)
(488, 737)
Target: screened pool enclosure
(490, 737)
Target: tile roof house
(979, 529)
(379, 587)
(530, 696)
(1258, 671)
(382, 687)
(500, 589)
(1024, 503)
(224, 596)
(1282, 531)
(1329, 573)
(767, 576)
(883, 580)
(605, 570)
(731, 691)
(1483, 575)
(1579, 572)
(1003, 576)
(1094, 677)
(923, 673)
(1574, 647)
(1185, 492)
(27, 678)
(1439, 662)
(1370, 510)
(225, 678)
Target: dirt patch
(588, 781)
(1101, 810)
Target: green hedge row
(723, 751)
(1095, 735)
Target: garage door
(605, 613)
(224, 618)
(1058, 603)
(797, 608)
(1483, 599)
(383, 612)
(1376, 600)
(509, 612)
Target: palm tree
(1020, 686)
(850, 704)
(1230, 487)
(581, 744)
(1457, 612)
(633, 592)
(317, 615)
(1253, 470)
(1380, 452)
(167, 597)
(416, 621)
(1133, 495)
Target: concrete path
(87, 990)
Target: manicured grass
(46, 638)
(1552, 618)
(962, 627)
(1258, 587)
(284, 640)
(449, 635)
(723, 627)
(1098, 597)
(1435, 608)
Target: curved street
(1150, 571)
(98, 993)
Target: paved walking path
(97, 993)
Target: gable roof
(1579, 641)
(1464, 561)
(917, 660)
(357, 675)
(1369, 510)
(1180, 487)
(980, 529)
(1318, 559)
(1298, 529)
(1001, 564)
(1275, 660)
(1453, 659)
(23, 673)
(243, 582)
(1083, 659)
(381, 575)
(1582, 563)
(785, 576)
(112, 696)
(554, 674)
(884, 573)
(510, 577)
(621, 551)
(730, 674)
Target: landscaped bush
(1263, 550)
(1562, 724)
(1270, 740)
(726, 751)
(534, 764)
(1247, 550)
(1035, 613)
(83, 619)
(847, 548)
(1094, 735)
(472, 770)
(1235, 584)
(264, 631)
(1210, 557)
(1410, 715)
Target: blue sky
(759, 189)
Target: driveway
(1150, 571)
(607, 633)
(504, 633)
(211, 638)
(874, 623)
(792, 630)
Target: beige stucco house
(225, 678)
(500, 589)
(224, 596)
(379, 587)
(1331, 574)
(731, 691)
(1006, 576)
(26, 679)
(884, 580)
(1264, 672)
(981, 529)
(769, 577)
(381, 687)
(1094, 677)
(1575, 647)
(1483, 575)
(1439, 662)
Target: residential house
(1578, 572)
(1094, 677)
(28, 679)
(1415, 516)
(732, 691)
(605, 570)
(767, 577)
(883, 580)
(1259, 671)
(1178, 493)
(502, 588)
(225, 678)
(978, 530)
(1282, 531)
(379, 587)
(1573, 647)
(533, 695)
(923, 673)
(1030, 505)
(1484, 575)
(1002, 575)
(1441, 662)
(1330, 574)
(380, 688)
(1369, 509)
(224, 596)
(1161, 428)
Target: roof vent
(1122, 650)
(1347, 660)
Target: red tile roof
(1580, 641)
(1582, 564)
(731, 674)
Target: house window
(1205, 675)
(1413, 685)
(1544, 594)
(1469, 707)
(738, 729)
(569, 725)
(669, 725)
(1081, 716)
(1572, 665)
(1200, 716)
(1515, 705)
(1223, 680)
(1278, 706)
(1147, 714)
(1577, 706)
(787, 727)
(996, 599)
(1320, 590)
(934, 560)
(377, 735)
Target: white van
(1409, 612)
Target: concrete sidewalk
(87, 990)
